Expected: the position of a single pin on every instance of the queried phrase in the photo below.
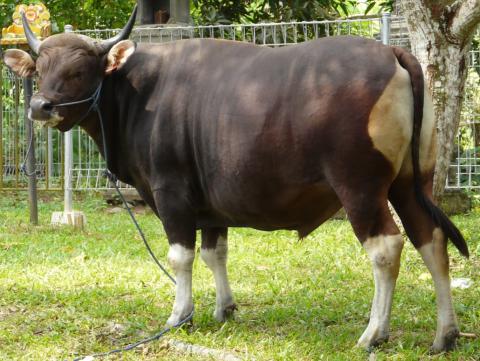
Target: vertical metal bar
(30, 137)
(386, 20)
(79, 149)
(49, 168)
(1, 126)
(459, 170)
(45, 157)
(16, 146)
(68, 195)
(61, 154)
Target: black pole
(30, 166)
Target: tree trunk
(440, 35)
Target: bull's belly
(301, 209)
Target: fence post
(49, 169)
(2, 169)
(68, 193)
(386, 21)
(30, 166)
(68, 216)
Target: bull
(216, 134)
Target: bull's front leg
(180, 258)
(179, 224)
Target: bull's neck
(111, 120)
(91, 125)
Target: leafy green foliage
(254, 11)
(88, 14)
(96, 14)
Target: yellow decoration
(38, 18)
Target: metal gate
(87, 171)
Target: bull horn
(106, 45)
(31, 38)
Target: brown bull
(217, 134)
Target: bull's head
(69, 67)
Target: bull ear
(118, 55)
(20, 62)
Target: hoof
(221, 315)
(445, 343)
(370, 340)
(175, 319)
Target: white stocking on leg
(181, 261)
(435, 256)
(384, 252)
(216, 260)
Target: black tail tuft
(442, 221)
(410, 63)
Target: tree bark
(440, 36)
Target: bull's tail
(410, 63)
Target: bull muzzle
(43, 110)
(40, 108)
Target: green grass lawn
(65, 292)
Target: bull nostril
(47, 106)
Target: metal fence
(88, 165)
(13, 144)
(268, 34)
(464, 169)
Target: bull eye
(74, 76)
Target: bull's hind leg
(373, 224)
(375, 228)
(214, 253)
(435, 256)
(384, 251)
(363, 191)
(432, 245)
